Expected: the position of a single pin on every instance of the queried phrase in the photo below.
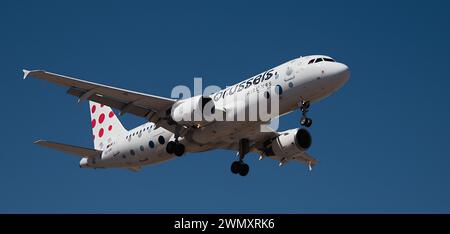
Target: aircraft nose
(340, 73)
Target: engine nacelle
(288, 143)
(193, 111)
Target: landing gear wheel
(303, 121)
(170, 148)
(174, 147)
(240, 167)
(244, 169)
(304, 108)
(235, 166)
(308, 122)
(179, 149)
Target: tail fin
(105, 125)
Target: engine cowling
(289, 143)
(193, 111)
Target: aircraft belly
(220, 135)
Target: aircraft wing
(306, 158)
(70, 149)
(140, 104)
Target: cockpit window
(318, 60)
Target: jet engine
(193, 111)
(288, 143)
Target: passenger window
(151, 144)
(132, 152)
(161, 140)
(141, 148)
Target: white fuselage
(294, 81)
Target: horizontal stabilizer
(70, 149)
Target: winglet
(25, 73)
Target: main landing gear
(240, 167)
(304, 108)
(175, 147)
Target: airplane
(295, 84)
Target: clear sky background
(382, 141)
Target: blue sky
(382, 141)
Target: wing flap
(305, 158)
(113, 103)
(70, 149)
(136, 103)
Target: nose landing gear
(304, 108)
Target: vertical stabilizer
(105, 125)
